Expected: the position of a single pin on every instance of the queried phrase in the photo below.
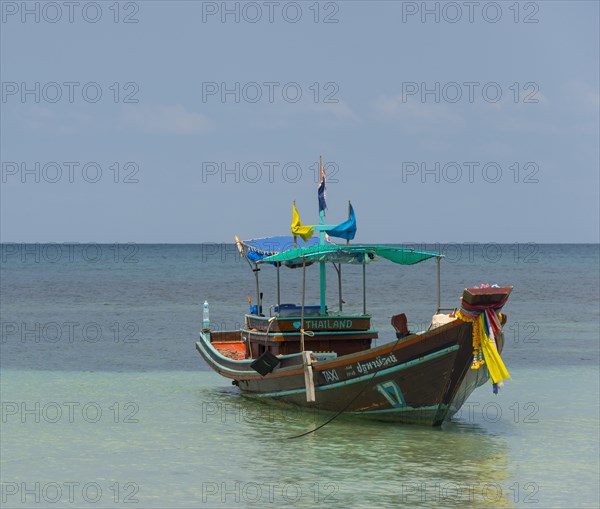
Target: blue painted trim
(218, 354)
(401, 409)
(223, 368)
(241, 362)
(230, 371)
(315, 317)
(361, 378)
(316, 333)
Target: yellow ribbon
(481, 340)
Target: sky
(190, 122)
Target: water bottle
(205, 318)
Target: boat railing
(292, 310)
(451, 310)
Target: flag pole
(348, 240)
(295, 241)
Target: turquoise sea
(105, 402)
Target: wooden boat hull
(420, 380)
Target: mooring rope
(339, 412)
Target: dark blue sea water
(106, 403)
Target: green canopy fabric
(351, 254)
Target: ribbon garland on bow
(486, 321)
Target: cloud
(283, 116)
(415, 116)
(172, 119)
(339, 111)
(571, 109)
(582, 96)
(52, 119)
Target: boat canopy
(350, 254)
(257, 249)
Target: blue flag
(345, 230)
(321, 192)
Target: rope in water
(347, 405)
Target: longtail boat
(311, 356)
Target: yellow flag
(297, 228)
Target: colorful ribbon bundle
(486, 327)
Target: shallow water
(132, 415)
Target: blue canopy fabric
(257, 249)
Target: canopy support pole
(340, 284)
(323, 286)
(364, 284)
(278, 289)
(338, 269)
(439, 283)
(255, 270)
(340, 265)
